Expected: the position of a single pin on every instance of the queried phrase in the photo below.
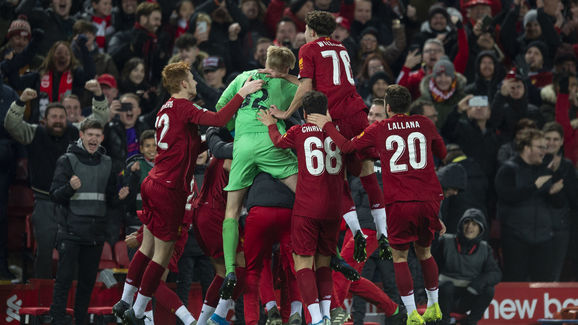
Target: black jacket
(115, 141)
(481, 86)
(469, 263)
(85, 229)
(525, 211)
(506, 112)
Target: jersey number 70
(335, 59)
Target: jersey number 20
(325, 156)
(337, 59)
(415, 142)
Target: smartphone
(486, 23)
(125, 107)
(202, 26)
(478, 101)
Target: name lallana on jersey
(402, 125)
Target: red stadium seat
(101, 315)
(121, 254)
(40, 315)
(106, 258)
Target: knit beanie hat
(380, 75)
(542, 47)
(438, 9)
(19, 27)
(444, 65)
(531, 15)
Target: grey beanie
(531, 15)
(444, 66)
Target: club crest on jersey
(360, 135)
(300, 63)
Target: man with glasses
(527, 194)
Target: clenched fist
(28, 94)
(75, 182)
(94, 87)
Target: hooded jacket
(481, 86)
(467, 262)
(86, 229)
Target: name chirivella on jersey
(402, 125)
(310, 129)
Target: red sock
(212, 296)
(308, 286)
(429, 269)
(374, 295)
(151, 279)
(240, 287)
(167, 298)
(403, 278)
(136, 268)
(324, 282)
(373, 190)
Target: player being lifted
(315, 223)
(406, 145)
(253, 151)
(164, 191)
(324, 65)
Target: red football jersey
(321, 170)
(327, 62)
(178, 139)
(406, 145)
(212, 192)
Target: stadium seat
(106, 258)
(40, 315)
(101, 316)
(121, 254)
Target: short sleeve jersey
(327, 63)
(406, 145)
(178, 143)
(276, 91)
(321, 171)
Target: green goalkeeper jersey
(275, 91)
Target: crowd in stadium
(83, 88)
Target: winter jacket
(115, 141)
(570, 134)
(525, 211)
(506, 112)
(467, 262)
(481, 86)
(444, 108)
(90, 229)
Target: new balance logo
(13, 305)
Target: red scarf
(182, 26)
(102, 26)
(439, 95)
(64, 88)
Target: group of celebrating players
(335, 137)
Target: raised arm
(99, 103)
(14, 123)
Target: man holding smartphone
(467, 125)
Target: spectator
(537, 26)
(377, 84)
(110, 91)
(188, 51)
(133, 81)
(45, 143)
(342, 33)
(439, 23)
(372, 64)
(181, 17)
(103, 62)
(444, 87)
(537, 58)
(100, 14)
(368, 44)
(254, 11)
(286, 33)
(475, 193)
(425, 108)
(8, 156)
(259, 54)
(569, 123)
(141, 41)
(56, 21)
(19, 35)
(526, 198)
(471, 288)
(510, 104)
(82, 187)
(73, 109)
(363, 14)
(124, 15)
(467, 125)
(508, 149)
(563, 169)
(489, 72)
(297, 11)
(565, 60)
(433, 51)
(214, 71)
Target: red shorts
(311, 236)
(163, 209)
(179, 250)
(350, 127)
(415, 221)
(208, 227)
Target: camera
(478, 101)
(125, 107)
